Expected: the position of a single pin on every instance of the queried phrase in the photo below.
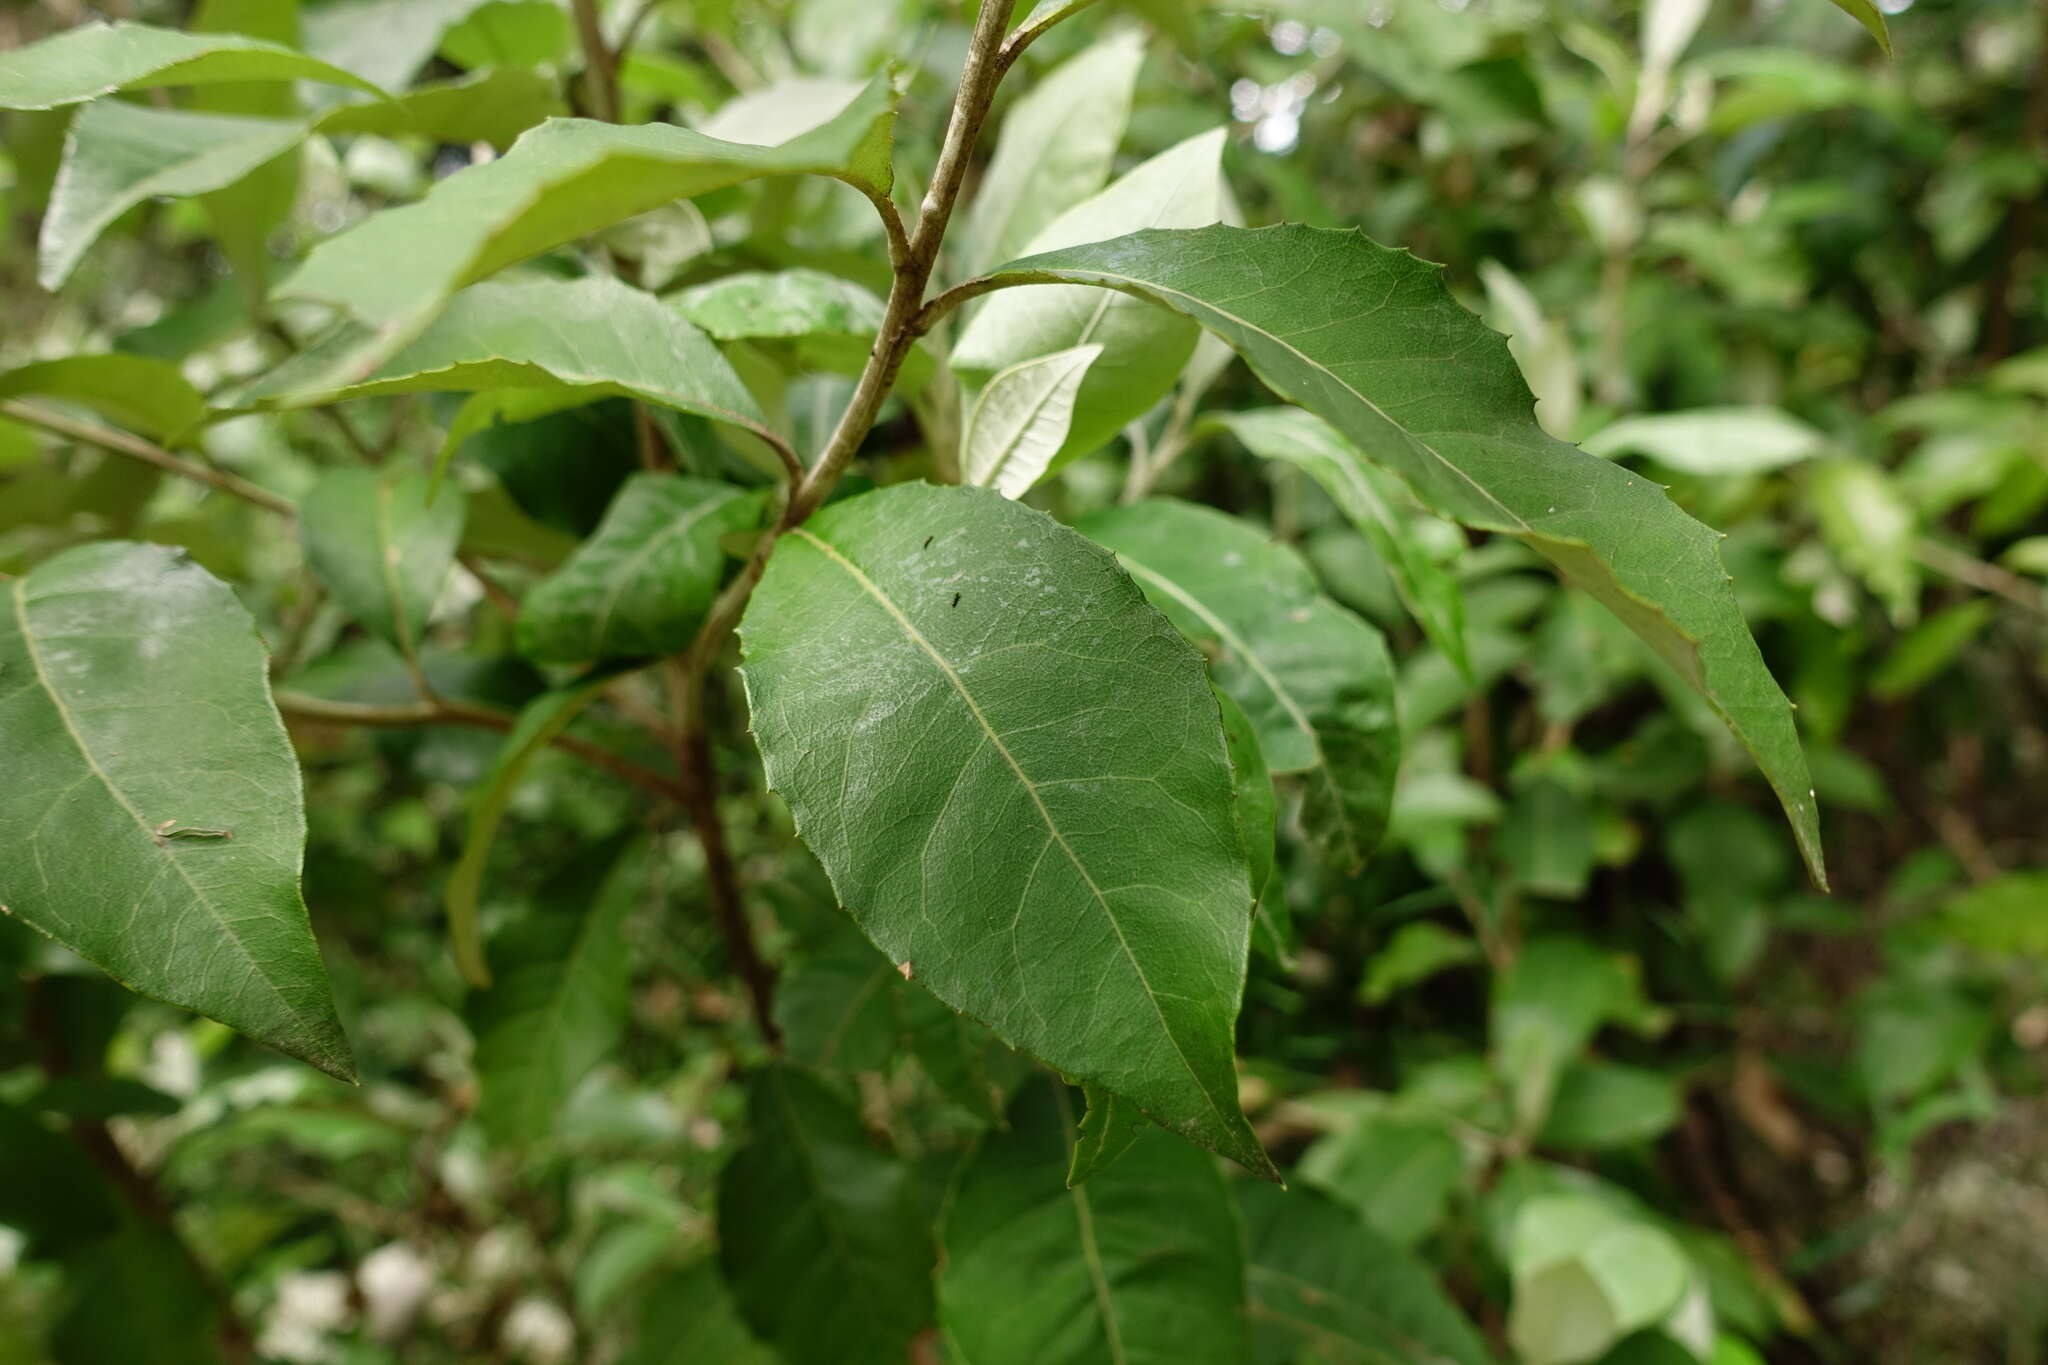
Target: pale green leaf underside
(1315, 681)
(97, 59)
(118, 155)
(149, 801)
(1056, 148)
(1021, 420)
(968, 708)
(1140, 1264)
(1143, 350)
(1370, 340)
(382, 547)
(594, 334)
(567, 178)
(1871, 17)
(1302, 439)
(137, 392)
(641, 583)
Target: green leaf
(1713, 442)
(382, 547)
(810, 1213)
(1397, 1172)
(2007, 915)
(1868, 522)
(560, 1003)
(1056, 148)
(91, 60)
(510, 34)
(1140, 1263)
(50, 1192)
(1020, 421)
(1416, 952)
(140, 1285)
(387, 40)
(244, 214)
(489, 106)
(152, 804)
(1546, 1007)
(545, 717)
(826, 322)
(837, 1004)
(133, 391)
(926, 664)
(1372, 499)
(1600, 1105)
(1327, 1288)
(1107, 1131)
(688, 1318)
(1871, 17)
(1144, 350)
(1258, 808)
(1929, 649)
(1585, 1276)
(1359, 334)
(396, 270)
(640, 586)
(119, 155)
(1315, 680)
(595, 335)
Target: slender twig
(1030, 33)
(898, 332)
(135, 448)
(600, 63)
(442, 711)
(721, 878)
(334, 416)
(505, 602)
(1985, 577)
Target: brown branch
(441, 711)
(600, 63)
(721, 877)
(135, 448)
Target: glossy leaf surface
(641, 584)
(594, 335)
(1315, 680)
(119, 155)
(1370, 340)
(97, 59)
(967, 706)
(395, 271)
(382, 547)
(152, 803)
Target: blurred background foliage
(1803, 286)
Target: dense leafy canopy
(861, 780)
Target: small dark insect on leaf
(927, 543)
(956, 599)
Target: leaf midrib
(35, 657)
(917, 637)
